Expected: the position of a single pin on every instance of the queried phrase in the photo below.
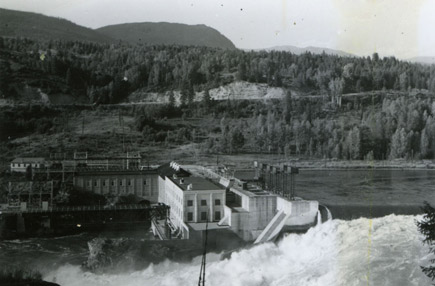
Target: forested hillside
(40, 27)
(108, 73)
(167, 34)
(345, 108)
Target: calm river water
(368, 193)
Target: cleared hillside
(167, 34)
(37, 26)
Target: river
(350, 194)
(386, 250)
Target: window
(203, 202)
(104, 183)
(95, 183)
(217, 215)
(129, 182)
(189, 203)
(144, 182)
(217, 202)
(189, 216)
(120, 182)
(113, 183)
(89, 183)
(203, 216)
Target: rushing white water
(319, 218)
(383, 251)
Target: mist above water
(382, 251)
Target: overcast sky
(390, 27)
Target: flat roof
(112, 170)
(28, 159)
(198, 184)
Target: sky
(389, 27)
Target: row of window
(217, 202)
(23, 165)
(217, 216)
(113, 183)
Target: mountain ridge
(427, 60)
(165, 33)
(38, 26)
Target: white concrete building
(249, 210)
(193, 202)
(168, 170)
(21, 164)
(255, 214)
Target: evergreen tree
(5, 72)
(237, 140)
(183, 97)
(206, 99)
(426, 226)
(375, 57)
(424, 143)
(288, 107)
(398, 144)
(190, 95)
(68, 77)
(241, 71)
(171, 99)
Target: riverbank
(361, 164)
(246, 161)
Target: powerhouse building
(139, 182)
(256, 204)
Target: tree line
(375, 127)
(394, 122)
(109, 73)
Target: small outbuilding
(20, 164)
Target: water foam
(319, 218)
(384, 251)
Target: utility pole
(121, 123)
